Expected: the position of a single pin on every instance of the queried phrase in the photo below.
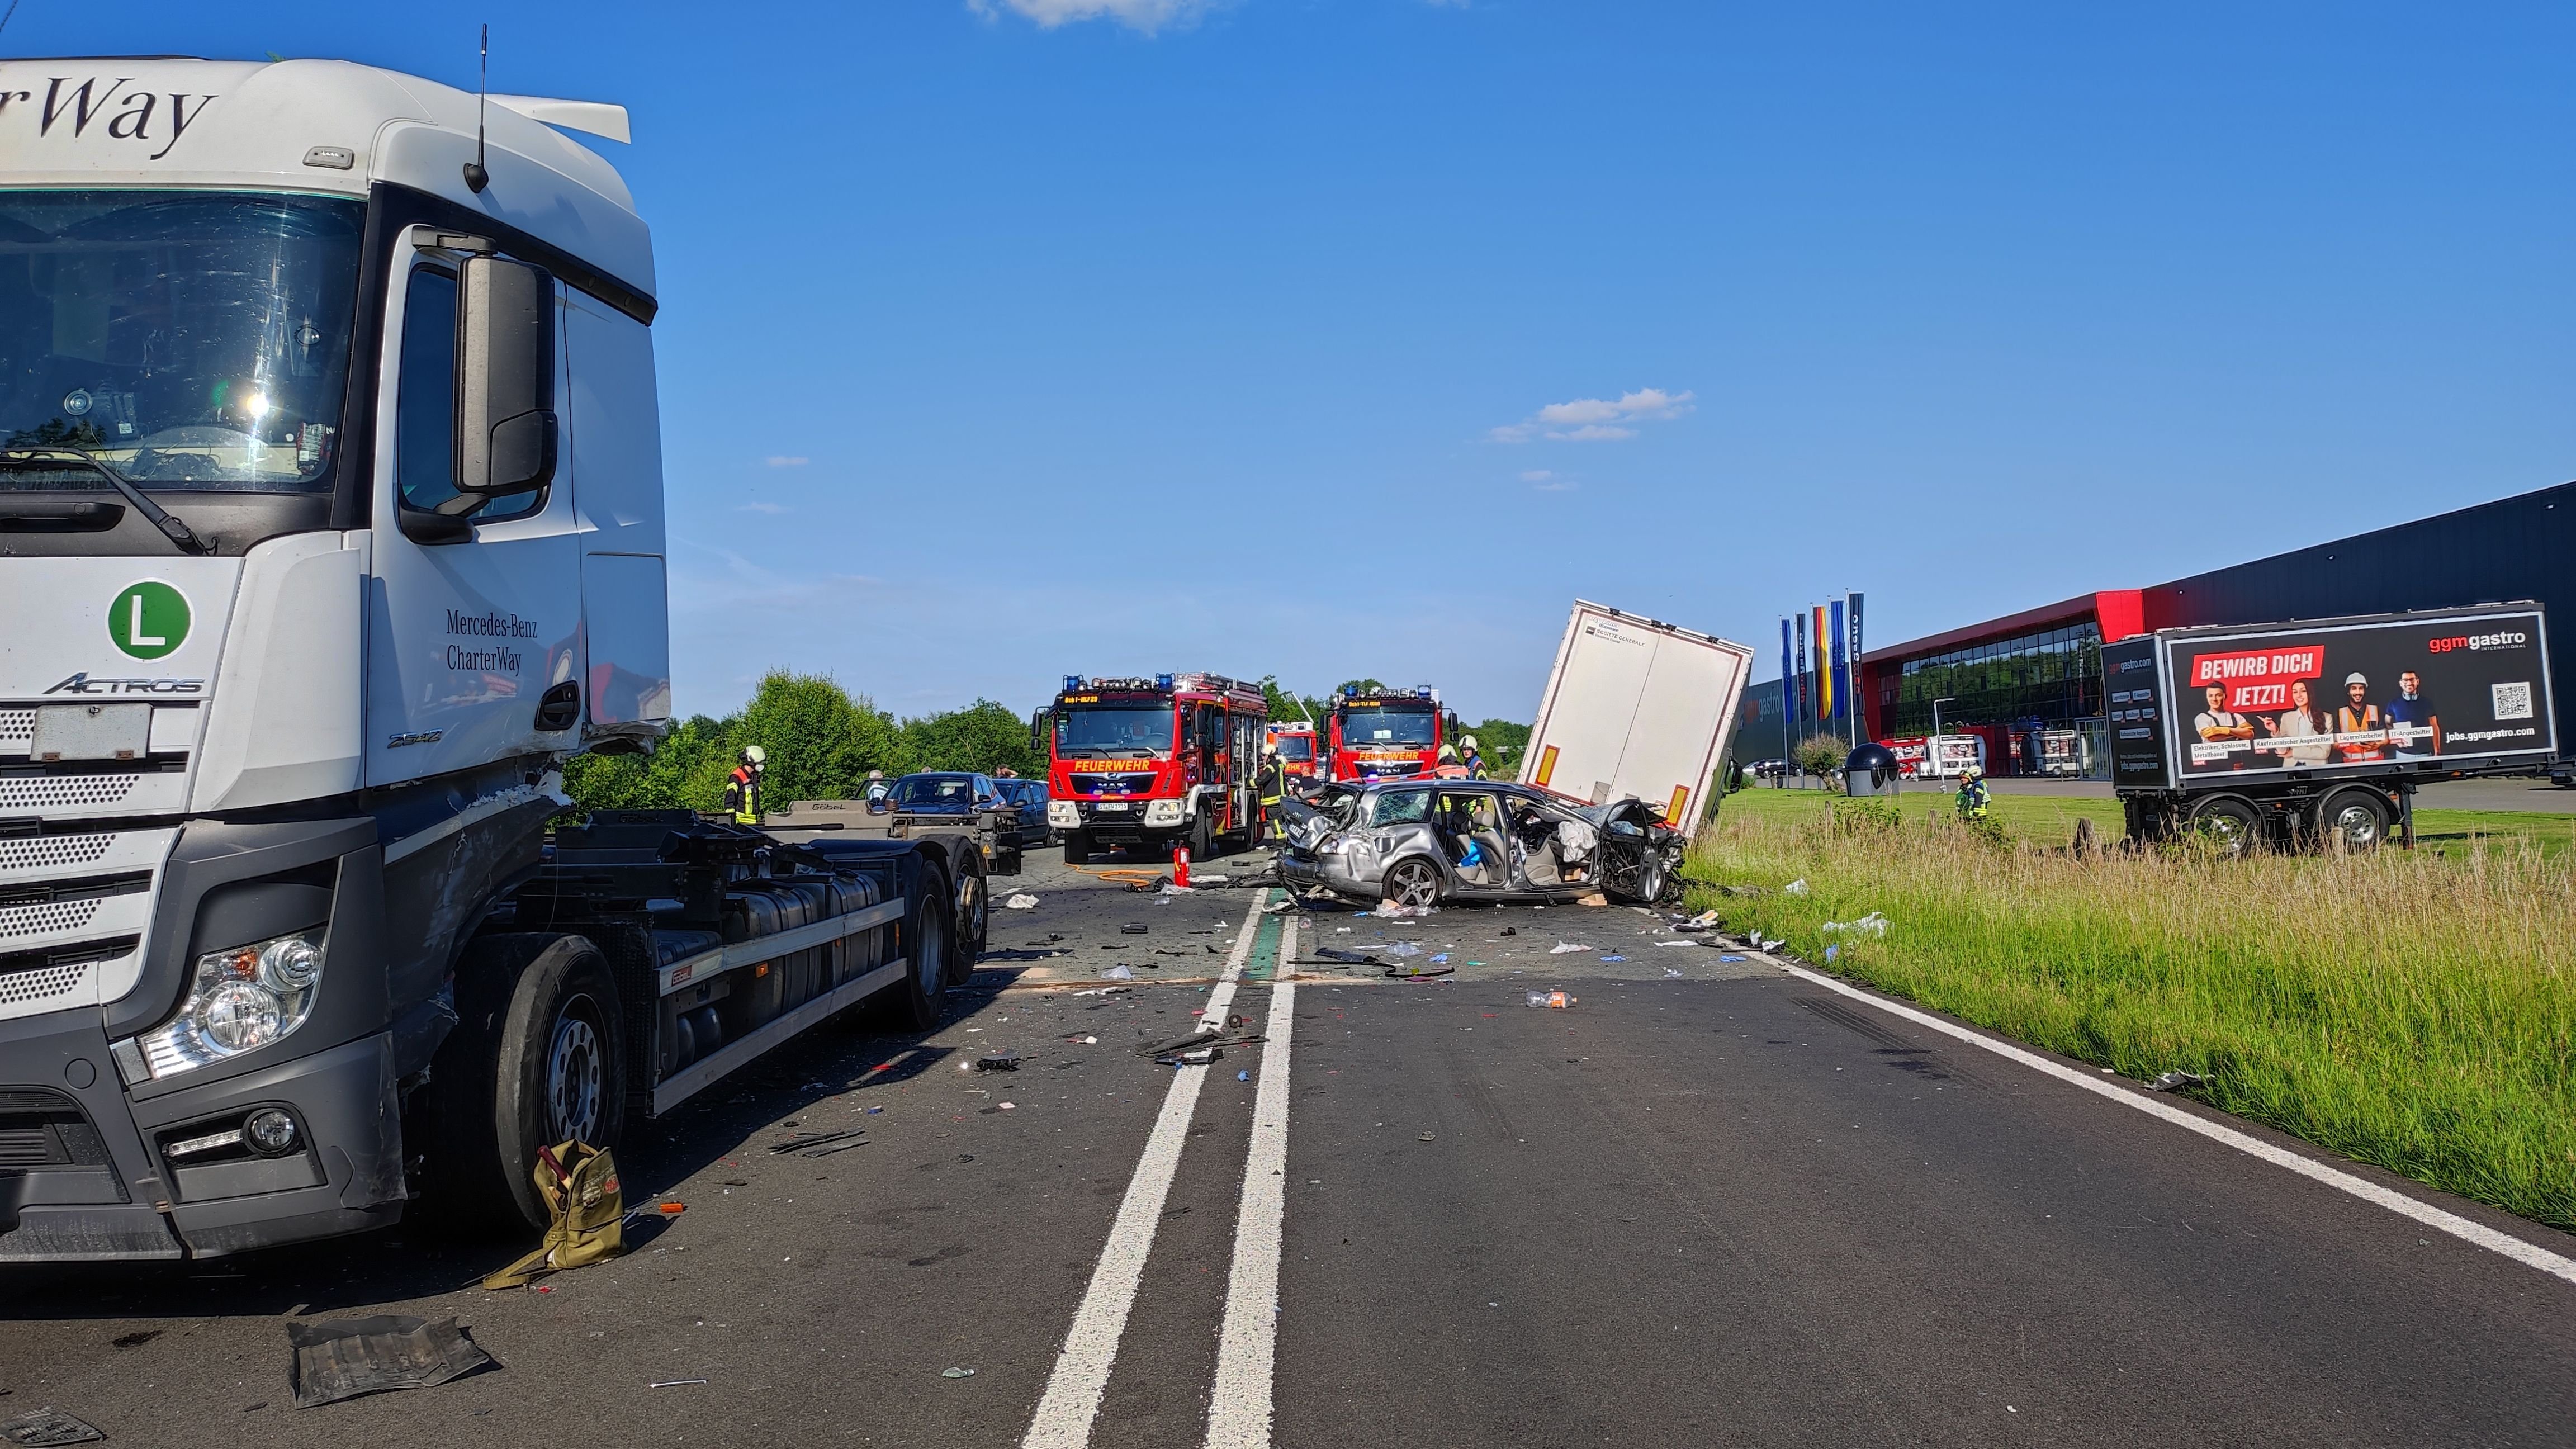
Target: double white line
(1239, 1413)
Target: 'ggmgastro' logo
(148, 620)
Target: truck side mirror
(505, 377)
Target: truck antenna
(476, 178)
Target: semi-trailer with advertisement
(331, 525)
(2318, 731)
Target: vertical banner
(1860, 702)
(1842, 680)
(1824, 671)
(1801, 715)
(1785, 686)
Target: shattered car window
(1401, 807)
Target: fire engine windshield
(1113, 731)
(1401, 727)
(1297, 749)
(183, 340)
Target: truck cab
(1378, 734)
(330, 523)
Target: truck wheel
(1077, 848)
(1202, 839)
(929, 934)
(2229, 823)
(974, 917)
(537, 1058)
(1412, 882)
(2352, 819)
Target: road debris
(1553, 1000)
(588, 1216)
(821, 1144)
(1872, 924)
(1568, 948)
(2176, 1081)
(672, 1383)
(348, 1358)
(1020, 901)
(1132, 928)
(1118, 972)
(998, 1062)
(1795, 888)
(957, 1373)
(48, 1427)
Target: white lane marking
(1247, 1345)
(2531, 1255)
(1072, 1399)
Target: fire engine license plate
(1109, 805)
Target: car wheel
(2352, 820)
(1413, 882)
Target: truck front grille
(44, 852)
(54, 792)
(17, 727)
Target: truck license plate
(92, 732)
(1109, 805)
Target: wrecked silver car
(1423, 842)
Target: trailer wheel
(1077, 847)
(537, 1058)
(2352, 819)
(2230, 823)
(928, 932)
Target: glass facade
(2053, 676)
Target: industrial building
(2031, 683)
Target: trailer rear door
(1636, 708)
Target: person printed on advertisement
(2306, 736)
(2412, 721)
(2220, 725)
(2361, 731)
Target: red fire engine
(1296, 746)
(1388, 732)
(1149, 764)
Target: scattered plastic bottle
(1554, 1000)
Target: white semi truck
(331, 524)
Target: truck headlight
(241, 999)
(1162, 812)
(1064, 812)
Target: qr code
(2512, 701)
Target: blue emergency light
(1072, 682)
(1162, 681)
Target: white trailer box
(1636, 707)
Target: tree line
(823, 740)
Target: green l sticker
(148, 620)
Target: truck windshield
(1297, 748)
(1387, 727)
(184, 340)
(1104, 731)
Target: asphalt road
(1720, 1206)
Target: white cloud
(1537, 475)
(1143, 15)
(770, 508)
(1597, 420)
(779, 462)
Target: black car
(1031, 797)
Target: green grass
(2414, 1011)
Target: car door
(1468, 824)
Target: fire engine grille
(46, 851)
(52, 792)
(1112, 784)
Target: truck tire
(1202, 838)
(1077, 847)
(929, 934)
(974, 920)
(537, 1057)
(2351, 819)
(2230, 822)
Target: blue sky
(1329, 338)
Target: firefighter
(1468, 756)
(742, 787)
(1449, 768)
(1972, 794)
(1274, 786)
